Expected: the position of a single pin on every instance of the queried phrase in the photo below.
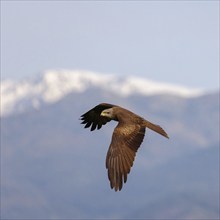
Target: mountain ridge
(52, 85)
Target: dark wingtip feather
(93, 127)
(88, 124)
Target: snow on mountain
(53, 85)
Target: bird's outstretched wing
(93, 118)
(126, 140)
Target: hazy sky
(168, 41)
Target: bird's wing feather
(126, 140)
(93, 118)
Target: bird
(126, 138)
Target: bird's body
(126, 139)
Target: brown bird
(126, 139)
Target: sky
(167, 41)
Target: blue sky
(167, 41)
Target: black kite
(126, 139)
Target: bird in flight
(126, 138)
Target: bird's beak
(102, 114)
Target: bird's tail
(155, 128)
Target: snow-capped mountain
(53, 85)
(53, 168)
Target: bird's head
(108, 113)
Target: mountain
(52, 86)
(52, 168)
